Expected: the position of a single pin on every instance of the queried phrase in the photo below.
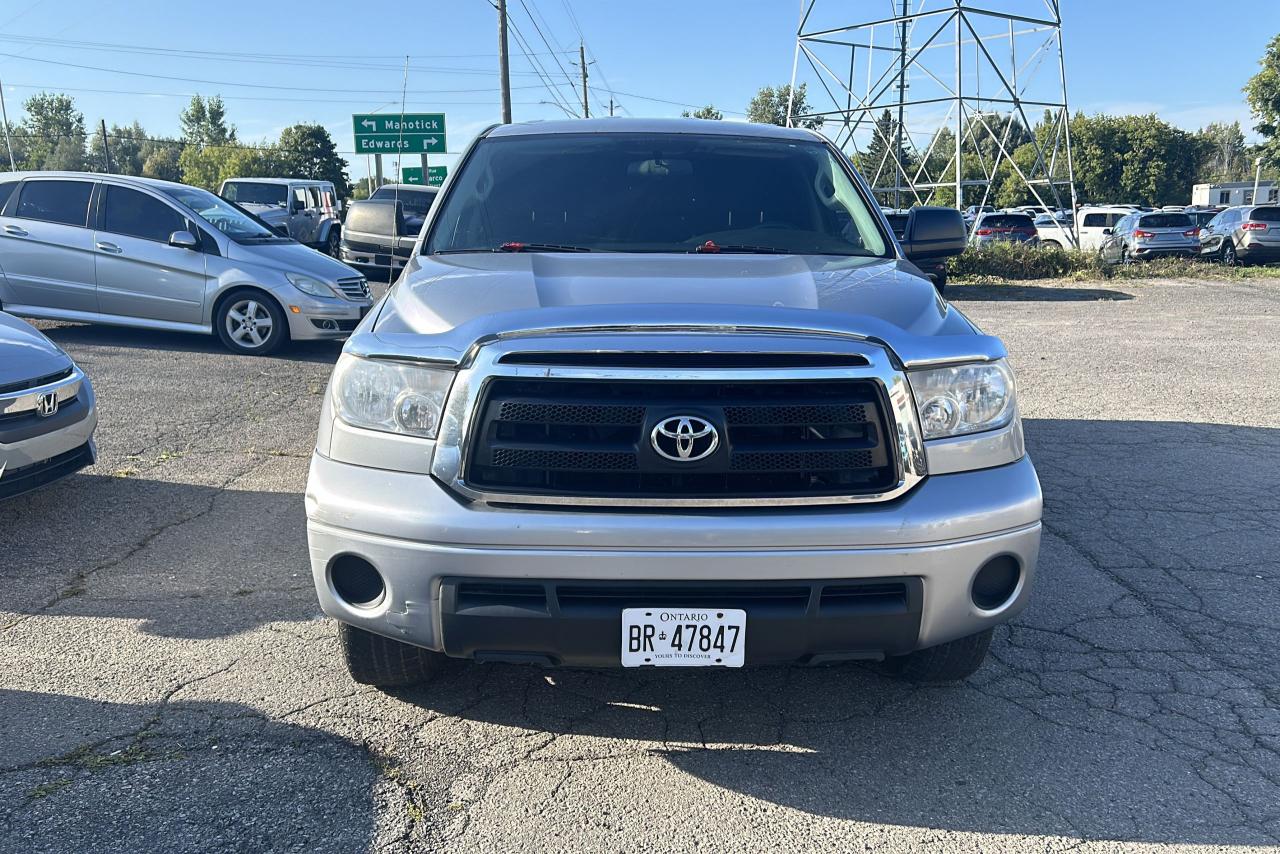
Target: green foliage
(210, 165)
(1135, 159)
(204, 122)
(996, 263)
(163, 163)
(878, 164)
(1223, 156)
(1263, 93)
(707, 112)
(52, 135)
(307, 151)
(769, 106)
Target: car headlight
(395, 397)
(954, 401)
(308, 285)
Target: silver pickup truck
(669, 393)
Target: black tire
(376, 660)
(1124, 256)
(333, 244)
(940, 281)
(1051, 244)
(947, 662)
(1228, 253)
(231, 320)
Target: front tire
(940, 281)
(946, 662)
(385, 663)
(333, 244)
(250, 323)
(1228, 254)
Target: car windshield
(253, 193)
(222, 215)
(413, 202)
(653, 192)
(1165, 220)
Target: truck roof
(629, 125)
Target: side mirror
(184, 240)
(1106, 232)
(933, 232)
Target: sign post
(396, 133)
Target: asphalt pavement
(168, 684)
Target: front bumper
(34, 459)
(317, 320)
(425, 543)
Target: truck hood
(271, 213)
(443, 305)
(26, 354)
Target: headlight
(395, 397)
(308, 285)
(963, 399)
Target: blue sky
(1138, 56)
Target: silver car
(670, 393)
(1147, 235)
(158, 255)
(47, 411)
(1241, 234)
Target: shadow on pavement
(1133, 701)
(85, 775)
(92, 335)
(1031, 293)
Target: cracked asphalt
(168, 684)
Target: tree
(707, 112)
(163, 162)
(769, 106)
(1133, 159)
(210, 165)
(128, 147)
(52, 133)
(1223, 156)
(879, 164)
(204, 122)
(307, 151)
(1263, 93)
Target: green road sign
(413, 175)
(394, 133)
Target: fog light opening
(356, 582)
(996, 582)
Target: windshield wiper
(711, 247)
(515, 247)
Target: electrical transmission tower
(931, 98)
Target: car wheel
(250, 322)
(1124, 256)
(947, 662)
(333, 244)
(1052, 244)
(376, 660)
(1228, 253)
(940, 281)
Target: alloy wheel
(249, 324)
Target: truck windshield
(655, 192)
(223, 216)
(414, 202)
(253, 193)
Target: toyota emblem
(685, 438)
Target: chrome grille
(354, 288)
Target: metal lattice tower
(988, 72)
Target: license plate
(683, 637)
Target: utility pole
(610, 104)
(504, 67)
(8, 143)
(106, 147)
(1257, 178)
(582, 60)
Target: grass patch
(996, 263)
(44, 790)
(87, 758)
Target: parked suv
(308, 211)
(1249, 233)
(381, 231)
(1003, 228)
(668, 393)
(1146, 235)
(157, 255)
(47, 411)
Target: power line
(247, 85)
(523, 44)
(291, 99)
(545, 41)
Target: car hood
(267, 212)
(293, 258)
(25, 353)
(442, 305)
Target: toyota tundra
(669, 393)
